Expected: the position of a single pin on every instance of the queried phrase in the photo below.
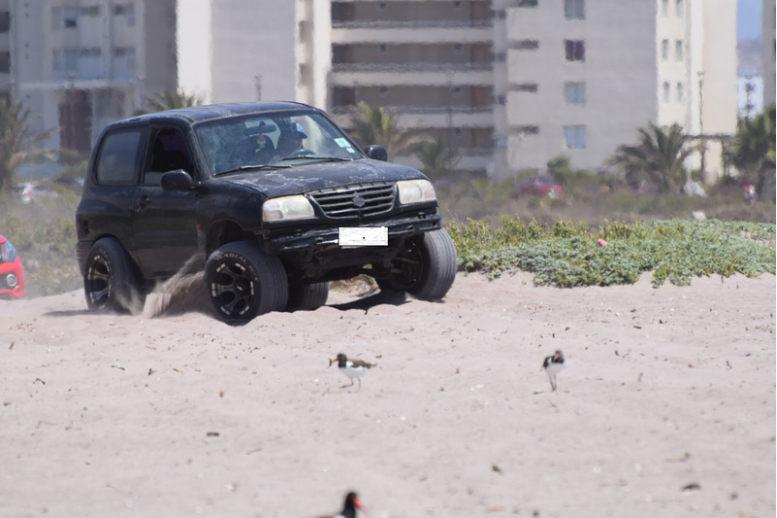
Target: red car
(543, 185)
(11, 271)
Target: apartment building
(430, 61)
(768, 49)
(514, 83)
(583, 76)
(80, 64)
(510, 84)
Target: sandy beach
(666, 407)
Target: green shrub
(567, 254)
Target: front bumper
(12, 286)
(316, 238)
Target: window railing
(423, 110)
(412, 24)
(412, 67)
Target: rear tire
(308, 297)
(244, 282)
(110, 282)
(427, 267)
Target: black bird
(352, 503)
(553, 365)
(352, 368)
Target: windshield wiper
(319, 157)
(254, 167)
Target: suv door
(163, 222)
(112, 185)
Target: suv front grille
(360, 201)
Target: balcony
(429, 118)
(433, 33)
(420, 75)
(412, 67)
(411, 24)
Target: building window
(525, 130)
(500, 99)
(81, 61)
(5, 62)
(664, 49)
(680, 8)
(574, 136)
(678, 50)
(527, 3)
(5, 21)
(680, 92)
(574, 93)
(525, 45)
(575, 50)
(70, 17)
(666, 89)
(127, 10)
(524, 87)
(574, 9)
(664, 7)
(343, 96)
(67, 17)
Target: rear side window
(118, 158)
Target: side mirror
(177, 180)
(377, 153)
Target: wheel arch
(223, 232)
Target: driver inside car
(290, 141)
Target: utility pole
(701, 124)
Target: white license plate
(363, 236)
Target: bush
(567, 254)
(44, 234)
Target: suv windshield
(269, 139)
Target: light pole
(701, 123)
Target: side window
(168, 152)
(118, 158)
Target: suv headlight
(415, 191)
(287, 208)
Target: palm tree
(171, 100)
(436, 159)
(753, 149)
(18, 142)
(376, 125)
(659, 157)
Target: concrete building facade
(768, 49)
(511, 84)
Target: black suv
(273, 200)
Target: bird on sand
(353, 369)
(553, 365)
(352, 503)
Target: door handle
(141, 204)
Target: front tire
(308, 297)
(110, 283)
(426, 267)
(244, 282)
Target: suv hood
(312, 176)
